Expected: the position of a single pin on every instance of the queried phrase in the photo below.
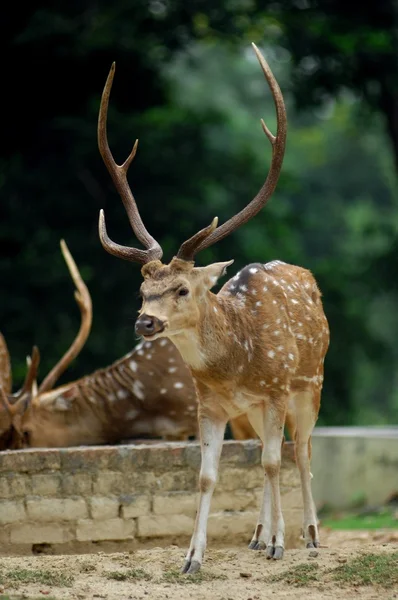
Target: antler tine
(197, 243)
(119, 178)
(31, 375)
(83, 299)
(188, 248)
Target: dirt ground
(229, 573)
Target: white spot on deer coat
(271, 353)
(133, 365)
(122, 394)
(132, 413)
(138, 387)
(62, 404)
(178, 385)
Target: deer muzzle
(147, 325)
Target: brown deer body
(147, 393)
(137, 396)
(255, 348)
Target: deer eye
(183, 292)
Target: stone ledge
(160, 457)
(132, 493)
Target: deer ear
(210, 275)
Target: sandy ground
(229, 573)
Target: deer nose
(147, 325)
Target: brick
(109, 529)
(29, 533)
(135, 505)
(108, 482)
(238, 500)
(242, 453)
(293, 518)
(140, 481)
(95, 459)
(30, 460)
(186, 480)
(291, 498)
(230, 524)
(234, 477)
(174, 503)
(163, 456)
(104, 508)
(164, 525)
(46, 485)
(78, 484)
(290, 476)
(11, 511)
(14, 485)
(56, 509)
(192, 455)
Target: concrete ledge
(354, 465)
(67, 499)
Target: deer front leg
(211, 439)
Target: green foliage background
(188, 85)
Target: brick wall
(71, 498)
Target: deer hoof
(194, 567)
(313, 545)
(275, 552)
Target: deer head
(172, 294)
(18, 409)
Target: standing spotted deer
(147, 393)
(257, 347)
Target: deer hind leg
(269, 534)
(211, 439)
(306, 409)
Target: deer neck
(208, 341)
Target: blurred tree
(337, 45)
(188, 85)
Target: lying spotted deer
(149, 392)
(256, 347)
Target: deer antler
(210, 235)
(83, 299)
(119, 176)
(31, 374)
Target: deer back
(147, 393)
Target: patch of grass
(174, 576)
(129, 575)
(86, 567)
(370, 569)
(384, 519)
(301, 575)
(15, 577)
